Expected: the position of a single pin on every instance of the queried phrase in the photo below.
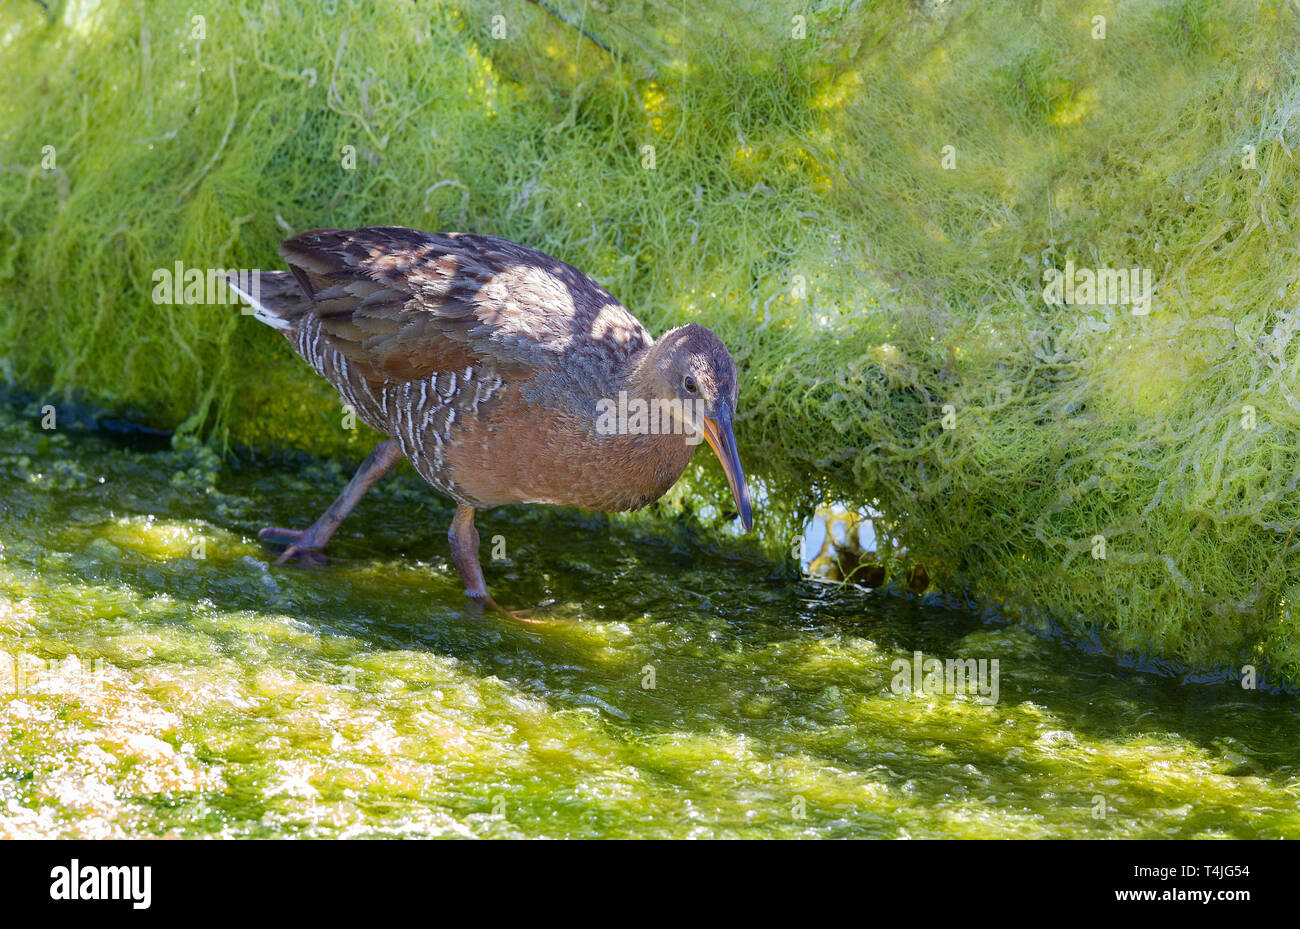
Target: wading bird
(495, 369)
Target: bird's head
(691, 364)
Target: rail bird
(502, 374)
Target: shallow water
(158, 676)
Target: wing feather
(402, 304)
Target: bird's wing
(403, 304)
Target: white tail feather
(260, 312)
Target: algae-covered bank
(1020, 281)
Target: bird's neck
(653, 454)
(641, 375)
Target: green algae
(799, 203)
(160, 676)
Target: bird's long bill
(717, 432)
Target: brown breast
(519, 451)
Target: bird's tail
(273, 297)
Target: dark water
(158, 676)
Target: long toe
(278, 536)
(533, 617)
(303, 555)
(301, 546)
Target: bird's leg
(464, 551)
(306, 544)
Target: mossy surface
(799, 204)
(160, 677)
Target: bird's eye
(689, 384)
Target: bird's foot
(528, 617)
(301, 543)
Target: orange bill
(718, 433)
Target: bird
(502, 374)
